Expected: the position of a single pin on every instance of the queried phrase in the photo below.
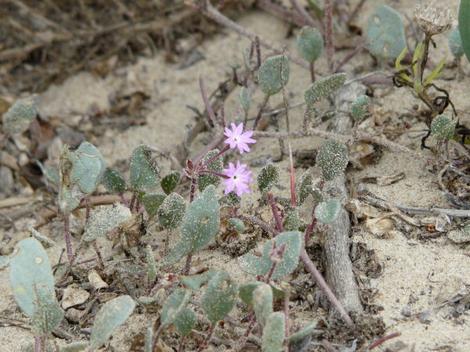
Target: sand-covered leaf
(274, 333)
(245, 98)
(442, 127)
(171, 211)
(170, 181)
(143, 171)
(174, 305)
(19, 116)
(323, 88)
(105, 219)
(360, 107)
(332, 158)
(113, 181)
(185, 321)
(267, 178)
(219, 297)
(32, 284)
(194, 282)
(328, 211)
(202, 220)
(88, 167)
(258, 262)
(273, 74)
(151, 202)
(112, 314)
(245, 291)
(263, 303)
(237, 224)
(216, 165)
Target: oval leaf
(323, 88)
(32, 283)
(273, 74)
(185, 321)
(464, 28)
(113, 181)
(174, 305)
(332, 158)
(171, 212)
(87, 167)
(310, 43)
(105, 219)
(19, 116)
(219, 297)
(263, 303)
(143, 172)
(170, 181)
(274, 333)
(111, 315)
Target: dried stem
(312, 71)
(310, 266)
(328, 24)
(302, 12)
(207, 338)
(356, 10)
(380, 341)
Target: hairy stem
(275, 211)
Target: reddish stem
(209, 110)
(380, 341)
(330, 49)
(275, 211)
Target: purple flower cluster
(238, 176)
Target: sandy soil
(419, 275)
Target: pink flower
(238, 178)
(236, 138)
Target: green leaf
(151, 202)
(323, 88)
(185, 321)
(111, 315)
(32, 284)
(464, 28)
(219, 297)
(267, 178)
(263, 303)
(260, 263)
(299, 341)
(360, 107)
(104, 219)
(310, 43)
(113, 181)
(442, 127)
(87, 167)
(151, 264)
(274, 333)
(292, 221)
(455, 43)
(332, 158)
(143, 172)
(148, 347)
(171, 212)
(328, 211)
(273, 74)
(19, 116)
(47, 312)
(170, 181)
(245, 98)
(246, 291)
(215, 165)
(174, 305)
(237, 224)
(195, 282)
(202, 220)
(385, 33)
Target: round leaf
(185, 321)
(328, 211)
(219, 297)
(113, 181)
(87, 167)
(170, 181)
(171, 212)
(143, 172)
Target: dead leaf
(74, 296)
(382, 226)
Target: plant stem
(276, 215)
(302, 12)
(293, 195)
(380, 341)
(317, 276)
(68, 238)
(356, 10)
(39, 344)
(181, 346)
(260, 112)
(187, 265)
(328, 24)
(312, 71)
